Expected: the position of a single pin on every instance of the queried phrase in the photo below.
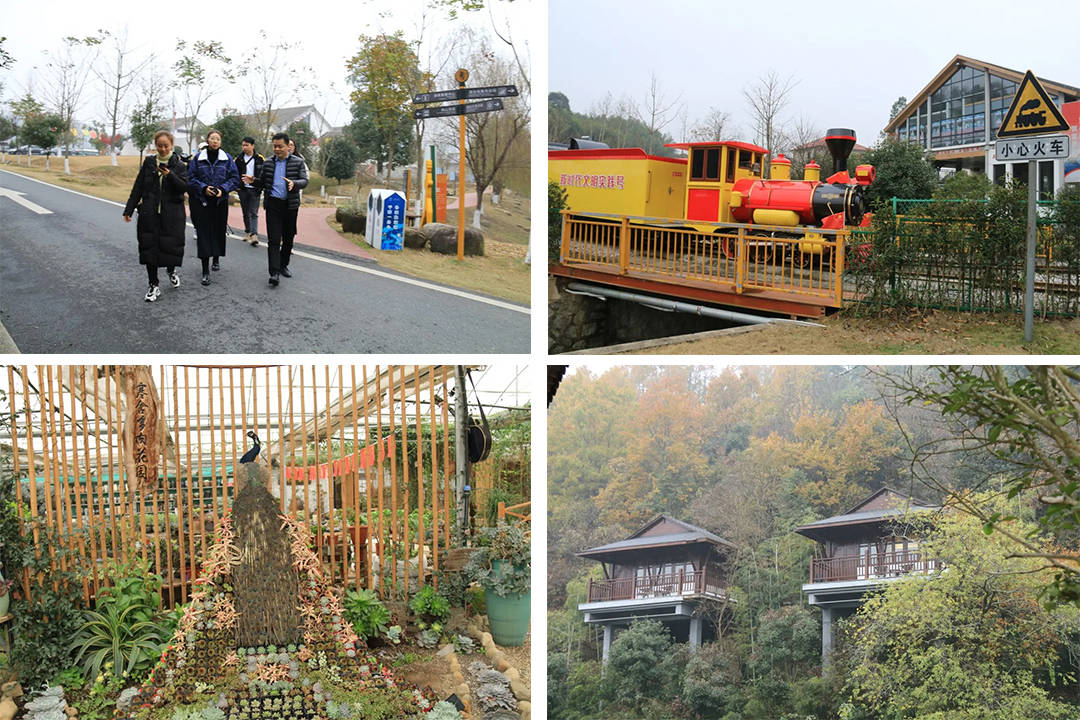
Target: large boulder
(415, 239)
(443, 239)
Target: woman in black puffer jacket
(158, 195)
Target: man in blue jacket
(280, 181)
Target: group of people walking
(207, 179)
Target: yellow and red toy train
(718, 182)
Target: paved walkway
(311, 230)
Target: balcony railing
(870, 567)
(699, 582)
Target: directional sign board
(494, 91)
(1044, 147)
(1032, 111)
(452, 110)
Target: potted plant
(502, 565)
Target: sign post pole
(1031, 113)
(434, 181)
(1029, 263)
(461, 76)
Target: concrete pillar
(607, 642)
(695, 632)
(826, 634)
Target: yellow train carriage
(621, 181)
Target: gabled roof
(690, 535)
(899, 504)
(962, 60)
(283, 117)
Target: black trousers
(280, 231)
(151, 273)
(249, 206)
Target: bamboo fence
(340, 441)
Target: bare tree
(118, 77)
(67, 71)
(767, 99)
(199, 73)
(270, 80)
(149, 105)
(712, 127)
(659, 110)
(795, 139)
(491, 136)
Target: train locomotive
(719, 182)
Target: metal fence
(364, 455)
(967, 255)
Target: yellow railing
(504, 511)
(744, 257)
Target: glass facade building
(957, 116)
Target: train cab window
(705, 163)
(732, 154)
(746, 160)
(697, 164)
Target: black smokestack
(839, 141)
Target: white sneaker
(153, 294)
(174, 279)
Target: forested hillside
(750, 453)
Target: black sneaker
(206, 279)
(152, 294)
(174, 279)
(274, 279)
(215, 266)
(285, 272)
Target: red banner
(342, 466)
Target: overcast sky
(326, 33)
(851, 61)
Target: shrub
(353, 219)
(639, 665)
(369, 617)
(556, 204)
(430, 606)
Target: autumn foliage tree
(384, 73)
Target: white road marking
(330, 261)
(18, 197)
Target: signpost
(488, 102)
(463, 109)
(1031, 115)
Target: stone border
(498, 660)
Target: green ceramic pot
(508, 616)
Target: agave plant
(116, 635)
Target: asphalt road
(70, 282)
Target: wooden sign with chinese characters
(142, 436)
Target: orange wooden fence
(351, 450)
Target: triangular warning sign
(1032, 111)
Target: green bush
(556, 204)
(430, 606)
(509, 544)
(641, 666)
(369, 617)
(353, 219)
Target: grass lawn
(91, 175)
(501, 272)
(934, 332)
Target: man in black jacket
(281, 179)
(249, 164)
